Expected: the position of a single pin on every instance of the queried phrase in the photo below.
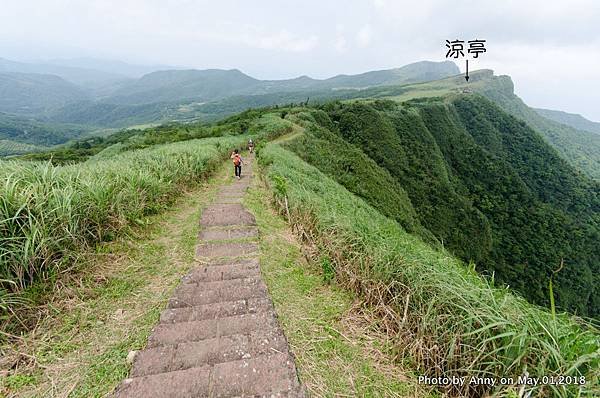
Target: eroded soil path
(219, 336)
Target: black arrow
(467, 74)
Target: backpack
(237, 159)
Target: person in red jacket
(237, 163)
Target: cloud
(380, 3)
(340, 43)
(535, 41)
(282, 40)
(364, 36)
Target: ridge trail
(219, 336)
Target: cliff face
(581, 149)
(463, 172)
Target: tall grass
(443, 316)
(50, 213)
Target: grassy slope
(73, 207)
(48, 214)
(92, 322)
(443, 315)
(354, 170)
(473, 176)
(108, 307)
(336, 350)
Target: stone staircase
(219, 336)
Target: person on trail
(250, 145)
(237, 163)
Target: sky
(550, 48)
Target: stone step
(228, 233)
(194, 287)
(226, 249)
(217, 261)
(208, 352)
(238, 192)
(265, 376)
(238, 185)
(174, 333)
(214, 273)
(192, 382)
(228, 199)
(191, 294)
(216, 310)
(226, 214)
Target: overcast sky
(550, 48)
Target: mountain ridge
(87, 78)
(33, 93)
(573, 120)
(191, 84)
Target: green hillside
(484, 184)
(437, 313)
(455, 170)
(28, 93)
(425, 209)
(91, 113)
(177, 85)
(580, 148)
(26, 130)
(8, 148)
(570, 119)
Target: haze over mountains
(200, 85)
(45, 104)
(111, 96)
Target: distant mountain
(36, 94)
(411, 73)
(37, 89)
(87, 78)
(101, 114)
(19, 129)
(216, 84)
(178, 85)
(570, 119)
(114, 67)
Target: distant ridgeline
(44, 105)
(461, 172)
(49, 105)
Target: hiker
(250, 145)
(237, 163)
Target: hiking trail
(219, 336)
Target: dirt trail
(219, 336)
